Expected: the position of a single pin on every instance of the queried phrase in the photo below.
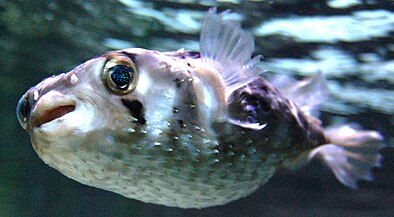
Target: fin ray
(227, 48)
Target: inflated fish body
(186, 129)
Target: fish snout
(42, 103)
(34, 110)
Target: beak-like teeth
(51, 106)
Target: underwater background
(350, 41)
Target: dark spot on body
(136, 110)
(251, 119)
(178, 82)
(181, 124)
(175, 110)
(264, 88)
(193, 54)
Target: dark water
(350, 41)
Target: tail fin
(351, 154)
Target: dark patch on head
(136, 110)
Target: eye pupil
(121, 76)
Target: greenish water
(350, 41)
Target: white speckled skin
(160, 162)
(194, 131)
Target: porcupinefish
(187, 129)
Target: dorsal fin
(227, 48)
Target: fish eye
(120, 74)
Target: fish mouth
(52, 114)
(50, 107)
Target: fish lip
(50, 107)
